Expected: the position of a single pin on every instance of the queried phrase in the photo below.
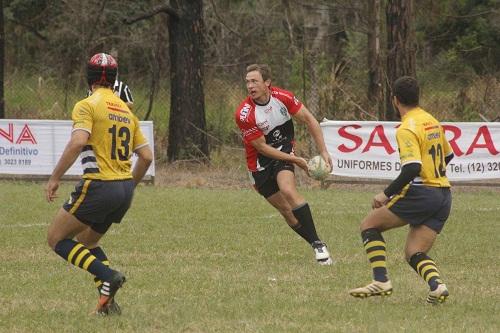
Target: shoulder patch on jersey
(245, 111)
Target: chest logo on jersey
(432, 136)
(263, 126)
(268, 110)
(283, 111)
(244, 112)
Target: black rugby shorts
(100, 203)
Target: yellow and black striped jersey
(114, 134)
(421, 140)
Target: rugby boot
(321, 253)
(376, 288)
(113, 308)
(439, 295)
(106, 304)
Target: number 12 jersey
(421, 140)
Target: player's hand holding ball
(318, 168)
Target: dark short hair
(263, 69)
(407, 91)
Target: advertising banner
(33, 147)
(368, 149)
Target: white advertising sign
(369, 150)
(33, 147)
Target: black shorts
(100, 203)
(425, 205)
(265, 181)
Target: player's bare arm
(143, 162)
(73, 149)
(271, 152)
(304, 116)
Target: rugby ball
(318, 168)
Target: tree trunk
(401, 46)
(187, 137)
(2, 61)
(375, 92)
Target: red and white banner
(33, 147)
(368, 149)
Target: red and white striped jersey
(272, 120)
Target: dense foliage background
(316, 48)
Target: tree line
(313, 46)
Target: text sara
(378, 140)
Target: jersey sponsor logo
(249, 131)
(120, 119)
(428, 128)
(115, 107)
(277, 135)
(283, 111)
(406, 156)
(432, 136)
(263, 126)
(245, 111)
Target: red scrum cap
(102, 69)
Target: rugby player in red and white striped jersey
(265, 119)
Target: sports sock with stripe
(375, 250)
(100, 255)
(77, 254)
(426, 268)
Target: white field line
(23, 225)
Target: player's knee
(89, 244)
(287, 193)
(285, 210)
(292, 197)
(52, 240)
(367, 224)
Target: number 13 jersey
(114, 134)
(421, 140)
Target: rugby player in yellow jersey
(105, 134)
(419, 197)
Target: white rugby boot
(439, 295)
(376, 288)
(321, 253)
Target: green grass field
(201, 260)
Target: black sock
(426, 268)
(78, 255)
(99, 254)
(306, 229)
(375, 250)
